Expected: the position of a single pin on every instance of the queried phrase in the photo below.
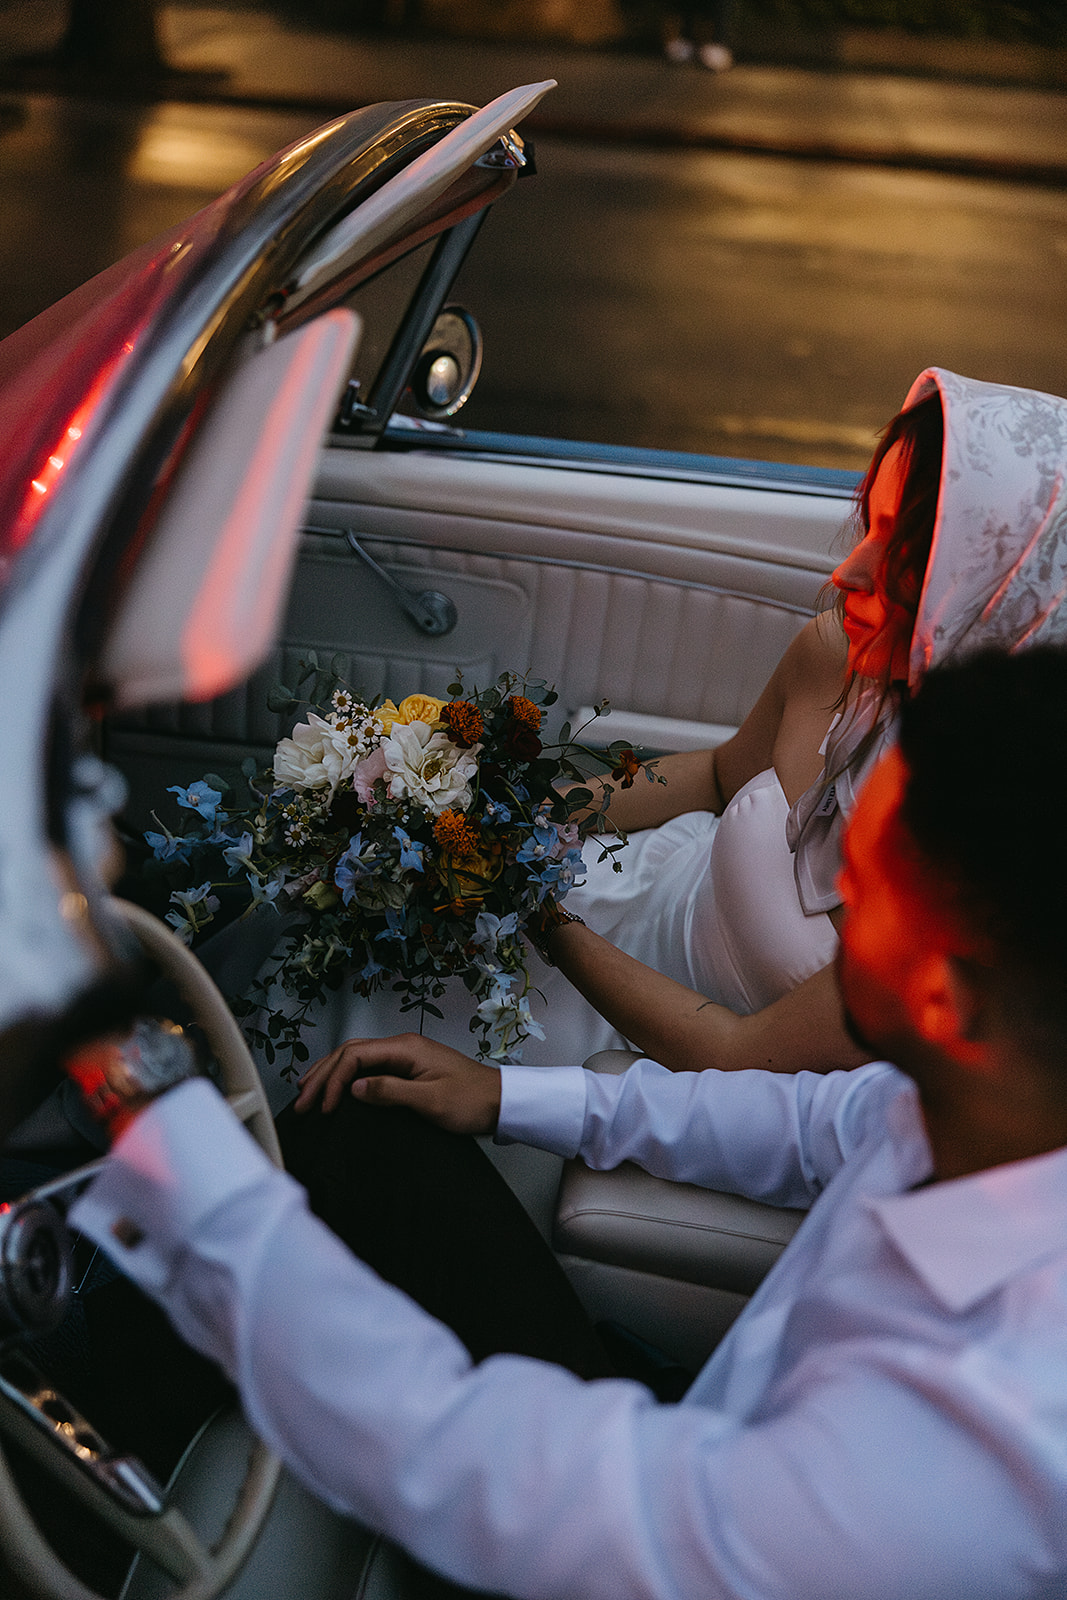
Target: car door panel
(669, 597)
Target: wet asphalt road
(706, 300)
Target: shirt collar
(966, 1237)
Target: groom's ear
(951, 1000)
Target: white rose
(341, 751)
(314, 758)
(428, 768)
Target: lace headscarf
(996, 578)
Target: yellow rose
(420, 708)
(323, 896)
(416, 708)
(470, 875)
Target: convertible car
(240, 445)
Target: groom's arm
(772, 1136)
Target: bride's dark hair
(920, 432)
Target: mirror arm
(436, 282)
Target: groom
(887, 1417)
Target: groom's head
(955, 872)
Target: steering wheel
(119, 1490)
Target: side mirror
(448, 366)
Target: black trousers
(431, 1214)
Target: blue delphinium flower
(489, 930)
(569, 869)
(199, 906)
(496, 811)
(510, 1021)
(167, 846)
(562, 875)
(394, 926)
(350, 870)
(410, 853)
(264, 891)
(539, 844)
(239, 856)
(199, 797)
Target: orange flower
(525, 711)
(459, 906)
(455, 835)
(627, 769)
(465, 722)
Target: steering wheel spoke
(118, 1489)
(244, 1106)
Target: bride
(714, 947)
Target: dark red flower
(627, 769)
(521, 741)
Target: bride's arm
(707, 780)
(804, 1031)
(691, 784)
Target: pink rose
(368, 772)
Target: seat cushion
(629, 1219)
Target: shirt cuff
(179, 1159)
(543, 1106)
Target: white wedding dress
(709, 901)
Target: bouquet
(414, 839)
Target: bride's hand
(439, 1083)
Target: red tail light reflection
(59, 458)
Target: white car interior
(669, 591)
(672, 597)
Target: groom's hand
(439, 1083)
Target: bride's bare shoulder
(815, 661)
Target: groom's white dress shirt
(887, 1418)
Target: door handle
(431, 612)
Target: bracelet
(540, 938)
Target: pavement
(845, 111)
(874, 102)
